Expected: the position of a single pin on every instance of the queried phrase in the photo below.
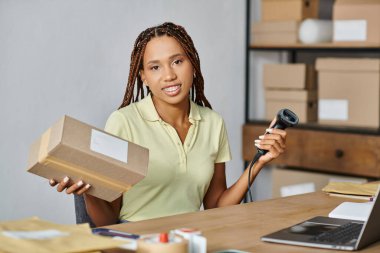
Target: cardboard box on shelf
(287, 182)
(301, 102)
(357, 20)
(275, 32)
(289, 76)
(274, 10)
(348, 91)
(71, 148)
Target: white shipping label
(350, 30)
(295, 189)
(35, 235)
(333, 109)
(109, 145)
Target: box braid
(180, 34)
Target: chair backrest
(81, 214)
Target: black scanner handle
(285, 118)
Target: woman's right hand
(78, 188)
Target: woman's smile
(172, 90)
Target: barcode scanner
(285, 118)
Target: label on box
(333, 109)
(350, 30)
(296, 189)
(109, 145)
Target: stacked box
(281, 20)
(357, 20)
(275, 32)
(348, 91)
(291, 86)
(297, 10)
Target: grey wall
(72, 57)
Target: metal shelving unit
(345, 136)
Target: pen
(111, 232)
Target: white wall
(72, 57)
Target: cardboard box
(275, 32)
(348, 91)
(356, 11)
(289, 76)
(71, 148)
(301, 102)
(297, 10)
(287, 182)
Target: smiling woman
(168, 73)
(187, 140)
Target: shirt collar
(149, 113)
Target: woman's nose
(169, 74)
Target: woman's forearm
(102, 213)
(235, 193)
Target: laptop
(332, 233)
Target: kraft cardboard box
(275, 32)
(357, 20)
(301, 102)
(348, 91)
(297, 10)
(287, 182)
(71, 148)
(297, 76)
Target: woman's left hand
(274, 141)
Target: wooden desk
(241, 226)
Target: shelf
(361, 47)
(312, 146)
(324, 151)
(325, 128)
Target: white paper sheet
(35, 235)
(352, 211)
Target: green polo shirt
(178, 174)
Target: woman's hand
(102, 213)
(274, 141)
(77, 188)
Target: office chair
(81, 214)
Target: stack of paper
(35, 235)
(352, 190)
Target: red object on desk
(164, 238)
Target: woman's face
(167, 70)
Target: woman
(187, 140)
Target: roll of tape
(197, 243)
(187, 232)
(152, 244)
(315, 31)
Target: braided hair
(134, 79)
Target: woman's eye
(177, 62)
(154, 68)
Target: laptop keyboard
(342, 234)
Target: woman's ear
(142, 76)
